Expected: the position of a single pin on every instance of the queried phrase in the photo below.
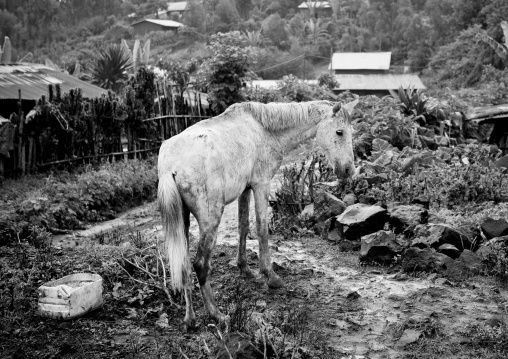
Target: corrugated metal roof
(33, 81)
(487, 112)
(272, 84)
(378, 82)
(177, 6)
(165, 23)
(361, 61)
(316, 4)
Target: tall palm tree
(111, 68)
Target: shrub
(64, 201)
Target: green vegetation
(452, 43)
(64, 201)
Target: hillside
(437, 39)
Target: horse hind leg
(243, 228)
(190, 315)
(202, 263)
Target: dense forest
(439, 39)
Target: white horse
(216, 161)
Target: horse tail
(175, 240)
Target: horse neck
(292, 137)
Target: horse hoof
(247, 273)
(275, 282)
(190, 326)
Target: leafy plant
(227, 70)
(111, 68)
(413, 102)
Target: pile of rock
(403, 232)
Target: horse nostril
(347, 171)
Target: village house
(174, 11)
(368, 73)
(145, 26)
(320, 8)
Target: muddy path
(359, 311)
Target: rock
(349, 199)
(493, 228)
(308, 212)
(353, 295)
(456, 270)
(360, 219)
(326, 206)
(346, 245)
(471, 260)
(406, 217)
(330, 231)
(434, 235)
(423, 201)
(423, 260)
(450, 250)
(423, 239)
(380, 247)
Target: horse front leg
(261, 193)
(243, 228)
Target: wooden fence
(21, 151)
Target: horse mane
(279, 116)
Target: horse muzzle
(344, 171)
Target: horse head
(335, 137)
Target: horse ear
(336, 107)
(349, 107)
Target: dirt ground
(351, 310)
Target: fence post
(21, 144)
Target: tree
(274, 28)
(227, 14)
(227, 70)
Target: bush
(64, 201)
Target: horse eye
(339, 132)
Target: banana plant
(501, 49)
(139, 55)
(6, 51)
(317, 30)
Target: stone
(349, 199)
(405, 218)
(449, 250)
(423, 260)
(456, 270)
(361, 219)
(434, 235)
(380, 247)
(326, 206)
(493, 228)
(471, 260)
(422, 200)
(330, 231)
(346, 245)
